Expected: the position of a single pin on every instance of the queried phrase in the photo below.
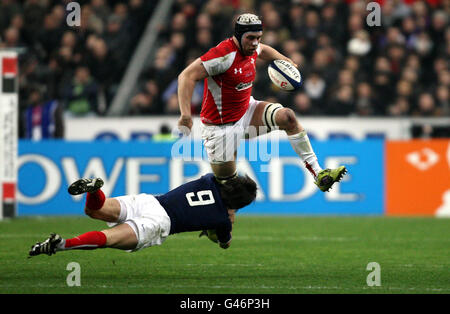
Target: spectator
(342, 103)
(303, 106)
(146, 101)
(141, 104)
(7, 10)
(322, 65)
(50, 34)
(203, 21)
(444, 78)
(69, 40)
(80, 95)
(315, 88)
(382, 84)
(360, 44)
(105, 68)
(423, 44)
(172, 106)
(164, 135)
(400, 108)
(101, 10)
(311, 27)
(410, 75)
(117, 40)
(41, 119)
(426, 106)
(296, 17)
(405, 89)
(204, 40)
(365, 101)
(138, 15)
(11, 38)
(443, 99)
(330, 24)
(178, 44)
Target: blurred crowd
(69, 70)
(400, 68)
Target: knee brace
(269, 114)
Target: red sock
(87, 241)
(95, 200)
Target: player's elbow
(193, 73)
(186, 78)
(181, 77)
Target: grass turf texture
(269, 255)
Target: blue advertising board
(47, 168)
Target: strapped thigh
(269, 114)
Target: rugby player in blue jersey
(144, 220)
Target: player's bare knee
(91, 213)
(88, 211)
(287, 120)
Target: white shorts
(145, 215)
(222, 141)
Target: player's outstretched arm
(269, 54)
(222, 235)
(186, 84)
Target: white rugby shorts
(148, 219)
(222, 141)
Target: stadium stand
(79, 67)
(400, 68)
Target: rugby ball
(284, 75)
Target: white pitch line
(233, 265)
(237, 287)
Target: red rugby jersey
(228, 87)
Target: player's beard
(249, 51)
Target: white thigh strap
(269, 113)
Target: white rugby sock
(300, 143)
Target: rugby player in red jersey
(228, 109)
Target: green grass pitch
(269, 255)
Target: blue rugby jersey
(197, 205)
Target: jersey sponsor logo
(242, 86)
(236, 70)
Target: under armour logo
(424, 159)
(237, 70)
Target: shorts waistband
(220, 124)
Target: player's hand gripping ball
(284, 75)
(211, 234)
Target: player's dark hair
(238, 192)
